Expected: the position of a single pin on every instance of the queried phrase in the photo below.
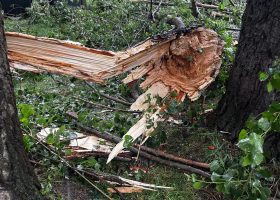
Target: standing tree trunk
(258, 45)
(84, 3)
(17, 178)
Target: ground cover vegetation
(242, 171)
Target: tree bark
(17, 178)
(258, 45)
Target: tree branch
(103, 106)
(195, 11)
(107, 96)
(115, 139)
(156, 10)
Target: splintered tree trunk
(17, 178)
(184, 61)
(258, 45)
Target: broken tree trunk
(184, 61)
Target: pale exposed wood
(62, 57)
(25, 67)
(125, 189)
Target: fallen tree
(183, 61)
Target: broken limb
(68, 165)
(172, 157)
(116, 139)
(107, 96)
(156, 159)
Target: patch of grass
(170, 177)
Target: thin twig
(115, 139)
(234, 29)
(156, 10)
(31, 22)
(232, 3)
(38, 163)
(103, 106)
(107, 96)
(63, 160)
(66, 140)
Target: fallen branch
(38, 163)
(68, 165)
(153, 2)
(234, 29)
(156, 10)
(231, 2)
(103, 106)
(107, 96)
(112, 138)
(172, 157)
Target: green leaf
(265, 173)
(60, 130)
(265, 192)
(275, 83)
(197, 185)
(229, 175)
(220, 188)
(263, 76)
(68, 152)
(275, 126)
(189, 58)
(276, 76)
(215, 177)
(274, 107)
(92, 161)
(245, 145)
(216, 167)
(128, 141)
(247, 160)
(257, 148)
(50, 139)
(173, 94)
(269, 116)
(269, 87)
(263, 123)
(27, 110)
(193, 177)
(222, 6)
(242, 134)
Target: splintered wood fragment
(125, 189)
(61, 57)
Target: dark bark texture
(17, 178)
(258, 45)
